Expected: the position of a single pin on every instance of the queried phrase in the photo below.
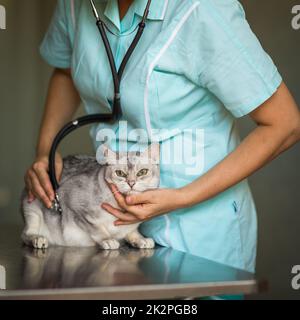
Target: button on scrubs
(197, 68)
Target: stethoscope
(116, 109)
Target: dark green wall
(23, 81)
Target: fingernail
(129, 199)
(30, 198)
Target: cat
(83, 188)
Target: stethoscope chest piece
(56, 206)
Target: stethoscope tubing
(66, 130)
(96, 118)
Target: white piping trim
(167, 266)
(167, 231)
(165, 9)
(152, 65)
(73, 13)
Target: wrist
(41, 156)
(42, 151)
(182, 198)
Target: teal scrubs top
(197, 68)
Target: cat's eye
(121, 174)
(142, 172)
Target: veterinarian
(197, 65)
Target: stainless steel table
(91, 273)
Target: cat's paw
(110, 244)
(40, 242)
(143, 243)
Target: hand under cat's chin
(132, 192)
(128, 191)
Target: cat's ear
(105, 155)
(153, 152)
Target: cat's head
(132, 172)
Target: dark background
(23, 84)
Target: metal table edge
(137, 292)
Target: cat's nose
(131, 183)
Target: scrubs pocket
(212, 230)
(245, 210)
(173, 109)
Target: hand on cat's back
(38, 182)
(144, 206)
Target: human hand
(144, 206)
(38, 182)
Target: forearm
(260, 146)
(289, 142)
(61, 104)
(256, 150)
(278, 121)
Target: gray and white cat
(83, 188)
